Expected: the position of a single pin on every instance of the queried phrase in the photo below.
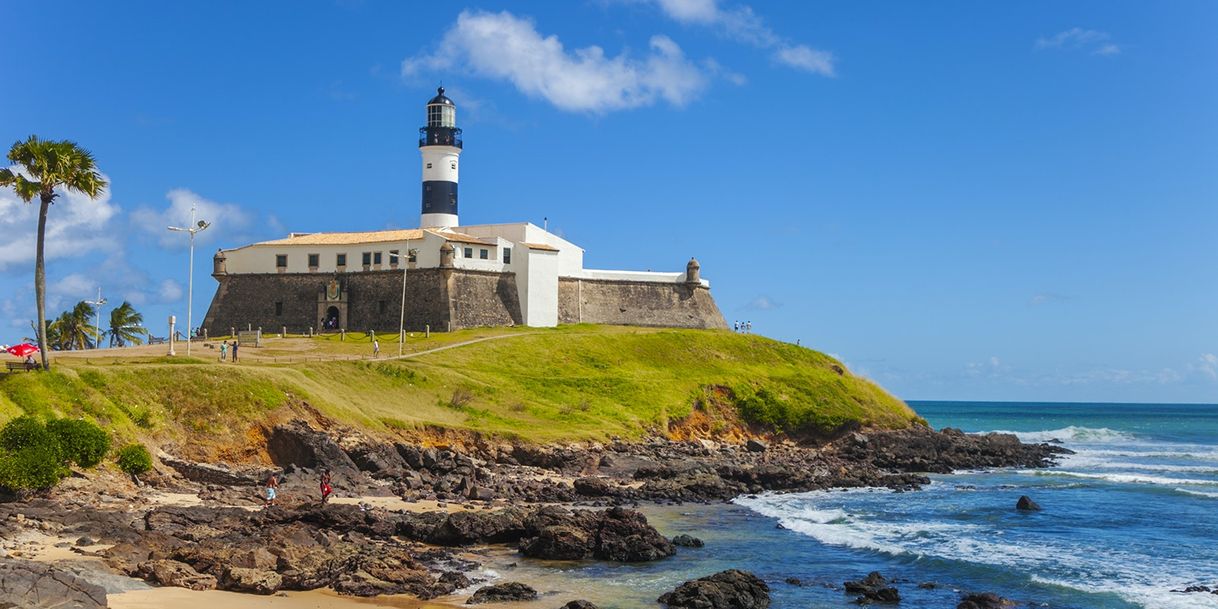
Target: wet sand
(181, 598)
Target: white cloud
(806, 59)
(1097, 42)
(742, 24)
(76, 225)
(1208, 365)
(169, 291)
(1045, 298)
(227, 219)
(761, 303)
(504, 47)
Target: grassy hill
(570, 383)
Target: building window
(380, 306)
(314, 261)
(410, 256)
(453, 165)
(484, 255)
(278, 309)
(367, 258)
(340, 260)
(469, 252)
(376, 258)
(394, 258)
(281, 261)
(429, 165)
(507, 255)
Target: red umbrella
(23, 349)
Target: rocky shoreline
(422, 509)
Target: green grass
(573, 382)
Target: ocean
(1130, 517)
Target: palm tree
(50, 165)
(125, 325)
(75, 327)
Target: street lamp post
(402, 317)
(97, 327)
(195, 227)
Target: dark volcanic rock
(498, 593)
(873, 589)
(1026, 504)
(625, 536)
(595, 487)
(873, 581)
(255, 581)
(920, 449)
(558, 542)
(297, 444)
(731, 589)
(687, 541)
(755, 446)
(174, 573)
(31, 585)
(464, 528)
(580, 604)
(987, 600)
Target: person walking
(748, 327)
(735, 326)
(326, 489)
(376, 348)
(272, 490)
(234, 351)
(224, 351)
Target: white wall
(443, 161)
(261, 258)
(540, 301)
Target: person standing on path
(272, 490)
(234, 352)
(224, 351)
(376, 348)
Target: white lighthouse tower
(440, 143)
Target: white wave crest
(1071, 434)
(1197, 493)
(1122, 478)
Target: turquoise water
(1131, 516)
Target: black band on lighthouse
(440, 197)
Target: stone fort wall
(444, 299)
(637, 303)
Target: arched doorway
(331, 320)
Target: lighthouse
(440, 145)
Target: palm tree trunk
(40, 279)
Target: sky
(961, 200)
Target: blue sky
(962, 200)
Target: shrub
(30, 455)
(24, 432)
(81, 442)
(134, 459)
(32, 468)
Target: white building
(536, 260)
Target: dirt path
(455, 345)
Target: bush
(30, 455)
(81, 442)
(33, 468)
(134, 459)
(24, 432)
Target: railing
(440, 136)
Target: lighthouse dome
(440, 99)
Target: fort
(442, 275)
